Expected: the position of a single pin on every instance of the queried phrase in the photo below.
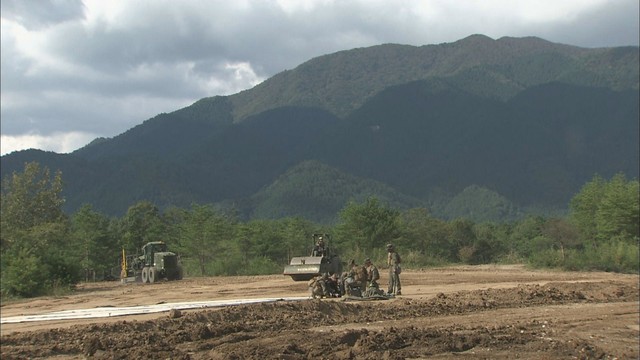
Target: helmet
(367, 261)
(389, 246)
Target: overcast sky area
(74, 70)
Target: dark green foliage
(562, 235)
(313, 190)
(30, 199)
(602, 233)
(142, 223)
(618, 214)
(605, 210)
(34, 234)
(523, 235)
(480, 204)
(94, 242)
(23, 274)
(47, 256)
(424, 233)
(202, 233)
(344, 81)
(534, 149)
(366, 226)
(491, 243)
(612, 255)
(165, 135)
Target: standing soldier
(393, 260)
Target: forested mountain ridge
(343, 81)
(523, 118)
(314, 190)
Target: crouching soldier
(333, 287)
(318, 287)
(355, 280)
(373, 289)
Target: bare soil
(470, 312)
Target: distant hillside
(537, 148)
(317, 192)
(523, 122)
(343, 81)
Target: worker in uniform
(355, 280)
(319, 249)
(372, 279)
(333, 286)
(318, 286)
(393, 261)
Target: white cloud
(58, 142)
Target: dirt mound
(523, 321)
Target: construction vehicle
(321, 261)
(155, 263)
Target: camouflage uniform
(393, 260)
(319, 249)
(355, 279)
(373, 289)
(373, 275)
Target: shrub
(23, 275)
(260, 266)
(614, 255)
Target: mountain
(521, 119)
(316, 191)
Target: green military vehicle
(321, 260)
(155, 263)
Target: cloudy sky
(74, 70)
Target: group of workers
(361, 281)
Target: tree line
(44, 250)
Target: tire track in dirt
(526, 320)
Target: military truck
(155, 263)
(321, 260)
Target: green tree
(490, 242)
(423, 233)
(618, 211)
(369, 225)
(603, 210)
(266, 239)
(262, 247)
(522, 234)
(174, 217)
(203, 233)
(97, 250)
(462, 239)
(34, 233)
(480, 204)
(28, 200)
(584, 207)
(563, 234)
(296, 233)
(142, 223)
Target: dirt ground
(471, 312)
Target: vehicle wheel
(153, 274)
(145, 275)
